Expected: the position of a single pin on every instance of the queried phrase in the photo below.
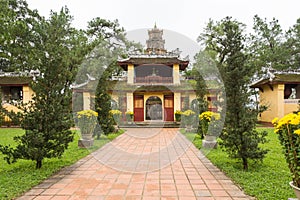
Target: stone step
(151, 124)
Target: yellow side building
(280, 92)
(14, 89)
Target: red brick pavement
(141, 164)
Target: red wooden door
(138, 108)
(169, 107)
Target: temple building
(280, 92)
(15, 89)
(152, 86)
(156, 67)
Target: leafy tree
(268, 47)
(48, 118)
(101, 63)
(2, 114)
(18, 35)
(293, 45)
(103, 104)
(200, 87)
(109, 43)
(239, 137)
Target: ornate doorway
(154, 108)
(169, 107)
(138, 108)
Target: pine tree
(48, 118)
(103, 104)
(18, 30)
(239, 137)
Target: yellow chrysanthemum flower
(188, 112)
(209, 115)
(275, 120)
(115, 112)
(297, 131)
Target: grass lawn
(22, 175)
(265, 181)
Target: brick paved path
(142, 164)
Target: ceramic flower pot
(296, 189)
(86, 136)
(188, 128)
(209, 141)
(86, 121)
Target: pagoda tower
(155, 43)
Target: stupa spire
(155, 43)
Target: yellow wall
(9, 108)
(129, 97)
(177, 101)
(176, 77)
(268, 98)
(274, 100)
(130, 74)
(115, 97)
(290, 107)
(27, 94)
(86, 101)
(192, 96)
(280, 100)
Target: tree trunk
(38, 164)
(245, 164)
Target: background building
(152, 86)
(280, 92)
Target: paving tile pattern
(141, 164)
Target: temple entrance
(169, 107)
(154, 108)
(138, 108)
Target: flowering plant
(129, 115)
(188, 117)
(205, 119)
(87, 121)
(288, 130)
(209, 116)
(178, 114)
(116, 115)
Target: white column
(130, 74)
(129, 97)
(86, 101)
(176, 76)
(177, 101)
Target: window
(139, 103)
(292, 91)
(168, 103)
(185, 103)
(12, 93)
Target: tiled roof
(276, 77)
(167, 59)
(15, 80)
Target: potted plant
(288, 130)
(208, 123)
(129, 116)
(116, 114)
(188, 119)
(86, 121)
(178, 115)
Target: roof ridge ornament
(270, 73)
